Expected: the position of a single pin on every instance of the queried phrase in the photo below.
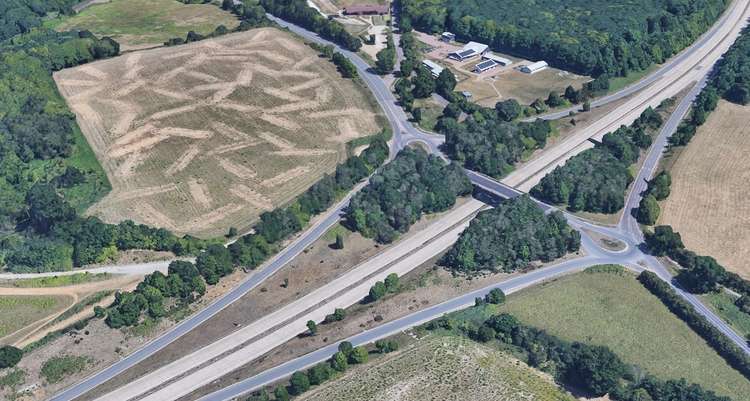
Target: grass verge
(617, 311)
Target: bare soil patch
(201, 137)
(708, 204)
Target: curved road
(404, 133)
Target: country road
(404, 133)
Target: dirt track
(38, 329)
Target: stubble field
(206, 136)
(708, 204)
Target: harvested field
(441, 368)
(201, 137)
(708, 204)
(617, 311)
(147, 23)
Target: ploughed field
(708, 201)
(206, 136)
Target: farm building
(448, 37)
(500, 60)
(485, 65)
(470, 50)
(366, 9)
(534, 67)
(434, 67)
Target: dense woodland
(396, 196)
(594, 369)
(485, 142)
(599, 37)
(511, 236)
(21, 16)
(596, 179)
(47, 172)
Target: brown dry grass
(500, 83)
(255, 122)
(708, 204)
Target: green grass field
(723, 305)
(446, 368)
(616, 311)
(146, 22)
(16, 312)
(59, 281)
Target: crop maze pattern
(142, 118)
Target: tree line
(596, 179)
(301, 381)
(396, 196)
(252, 249)
(43, 185)
(346, 68)
(700, 274)
(185, 282)
(300, 13)
(584, 37)
(495, 241)
(730, 79)
(735, 356)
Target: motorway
(253, 280)
(404, 133)
(669, 81)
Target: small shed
(435, 68)
(470, 50)
(500, 60)
(366, 9)
(533, 68)
(447, 37)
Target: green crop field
(18, 311)
(444, 368)
(147, 22)
(616, 311)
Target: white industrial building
(534, 67)
(500, 60)
(434, 67)
(448, 37)
(470, 50)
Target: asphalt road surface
(252, 281)
(404, 133)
